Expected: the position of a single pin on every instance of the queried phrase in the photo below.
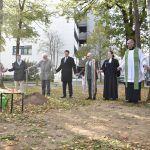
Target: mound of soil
(35, 99)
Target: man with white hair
(90, 73)
(45, 66)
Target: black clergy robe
(110, 79)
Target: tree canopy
(117, 16)
(20, 16)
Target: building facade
(83, 29)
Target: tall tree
(20, 17)
(99, 44)
(1, 18)
(137, 24)
(52, 44)
(20, 22)
(1, 37)
(118, 15)
(148, 8)
(2, 41)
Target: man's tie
(19, 63)
(65, 59)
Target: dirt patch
(119, 123)
(35, 99)
(101, 120)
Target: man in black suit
(66, 66)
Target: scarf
(136, 68)
(93, 77)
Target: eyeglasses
(87, 56)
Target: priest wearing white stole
(133, 65)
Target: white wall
(64, 29)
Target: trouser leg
(70, 88)
(133, 95)
(64, 88)
(22, 86)
(89, 88)
(16, 85)
(43, 87)
(48, 86)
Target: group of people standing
(133, 66)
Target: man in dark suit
(66, 66)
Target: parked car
(121, 79)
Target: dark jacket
(19, 71)
(66, 69)
(115, 65)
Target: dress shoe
(88, 98)
(63, 97)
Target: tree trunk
(100, 59)
(18, 38)
(148, 8)
(1, 23)
(137, 24)
(57, 58)
(21, 7)
(128, 22)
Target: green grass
(82, 143)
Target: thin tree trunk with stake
(1, 23)
(21, 7)
(148, 8)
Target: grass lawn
(76, 124)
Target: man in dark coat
(19, 67)
(66, 66)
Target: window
(23, 50)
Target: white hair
(44, 54)
(90, 54)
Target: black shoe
(94, 98)
(88, 98)
(63, 97)
(106, 99)
(70, 97)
